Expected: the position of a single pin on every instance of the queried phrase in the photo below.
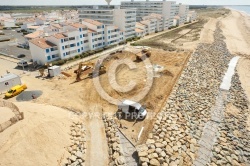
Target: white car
(132, 109)
(22, 63)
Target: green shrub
(70, 59)
(91, 52)
(134, 44)
(129, 39)
(77, 56)
(86, 54)
(58, 62)
(61, 62)
(99, 50)
(122, 42)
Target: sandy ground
(83, 97)
(39, 139)
(244, 75)
(236, 27)
(208, 31)
(6, 114)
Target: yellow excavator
(145, 53)
(88, 69)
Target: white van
(22, 63)
(132, 109)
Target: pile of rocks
(77, 150)
(116, 156)
(233, 146)
(179, 126)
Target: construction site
(75, 114)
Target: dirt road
(97, 150)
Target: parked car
(22, 63)
(15, 90)
(21, 56)
(132, 109)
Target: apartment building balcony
(130, 28)
(131, 23)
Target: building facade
(124, 19)
(63, 41)
(144, 8)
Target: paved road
(10, 47)
(130, 153)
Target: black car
(21, 56)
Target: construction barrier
(18, 115)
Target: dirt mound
(39, 139)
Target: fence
(18, 115)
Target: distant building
(182, 11)
(8, 23)
(145, 8)
(124, 19)
(192, 16)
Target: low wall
(18, 115)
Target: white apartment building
(62, 41)
(113, 35)
(96, 33)
(182, 11)
(150, 25)
(161, 23)
(124, 19)
(144, 8)
(192, 16)
(8, 23)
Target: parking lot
(10, 47)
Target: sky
(117, 2)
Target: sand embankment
(39, 139)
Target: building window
(51, 49)
(93, 46)
(47, 50)
(102, 32)
(79, 50)
(81, 42)
(72, 45)
(78, 44)
(64, 54)
(102, 26)
(109, 37)
(109, 31)
(53, 56)
(63, 47)
(92, 40)
(48, 58)
(80, 29)
(92, 34)
(103, 38)
(82, 48)
(80, 36)
(103, 43)
(61, 40)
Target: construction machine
(145, 53)
(89, 69)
